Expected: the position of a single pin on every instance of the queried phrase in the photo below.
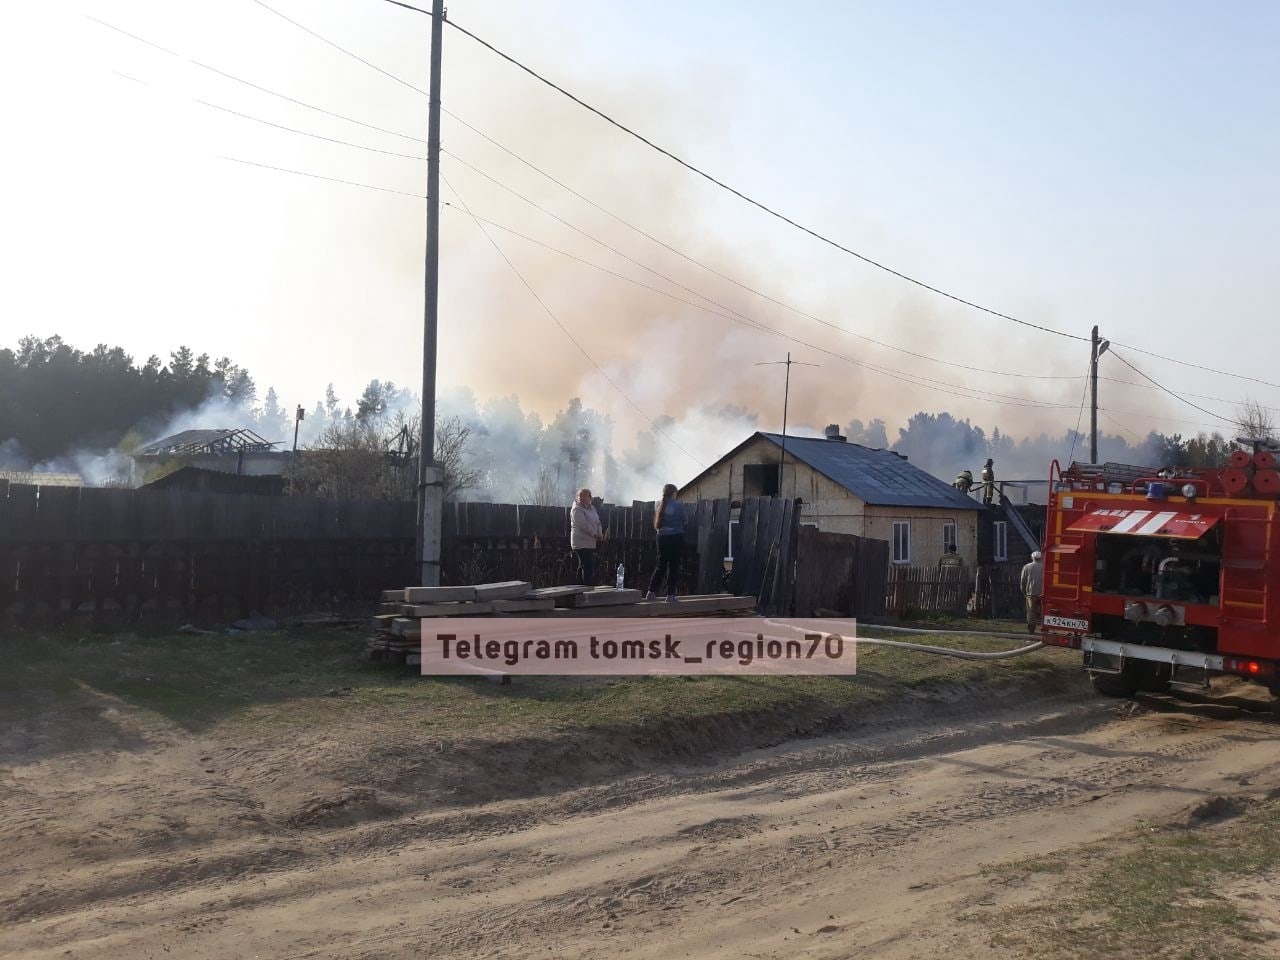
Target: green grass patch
(320, 676)
(1162, 895)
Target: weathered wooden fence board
(106, 551)
(841, 573)
(990, 591)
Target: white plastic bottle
(622, 572)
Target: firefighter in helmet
(988, 482)
(964, 481)
(951, 559)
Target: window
(949, 536)
(760, 480)
(1001, 530)
(902, 541)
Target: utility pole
(1098, 348)
(786, 393)
(427, 553)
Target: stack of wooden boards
(398, 625)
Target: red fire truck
(1163, 575)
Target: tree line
(55, 399)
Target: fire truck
(1166, 575)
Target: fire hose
(928, 648)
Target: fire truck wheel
(1115, 684)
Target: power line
(1157, 418)
(738, 193)
(305, 133)
(249, 83)
(1171, 393)
(796, 310)
(317, 176)
(968, 394)
(549, 176)
(281, 126)
(1197, 366)
(728, 314)
(380, 129)
(419, 90)
(1075, 434)
(913, 379)
(322, 39)
(565, 330)
(1122, 426)
(579, 230)
(1195, 396)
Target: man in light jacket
(1032, 589)
(584, 533)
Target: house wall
(1018, 550)
(926, 531)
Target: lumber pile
(398, 625)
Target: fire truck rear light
(1255, 669)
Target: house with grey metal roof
(848, 488)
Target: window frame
(1000, 540)
(954, 539)
(905, 526)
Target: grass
(946, 621)
(1161, 894)
(289, 677)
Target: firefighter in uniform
(951, 560)
(964, 481)
(988, 483)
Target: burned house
(235, 451)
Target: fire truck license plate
(1067, 623)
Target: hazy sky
(1070, 164)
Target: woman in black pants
(669, 520)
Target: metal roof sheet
(878, 477)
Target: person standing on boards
(669, 521)
(584, 533)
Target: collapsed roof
(194, 442)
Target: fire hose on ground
(928, 648)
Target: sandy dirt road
(871, 843)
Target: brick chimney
(833, 432)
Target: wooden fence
(840, 573)
(994, 591)
(141, 553)
(161, 554)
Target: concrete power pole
(427, 552)
(1098, 348)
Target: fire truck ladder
(1062, 572)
